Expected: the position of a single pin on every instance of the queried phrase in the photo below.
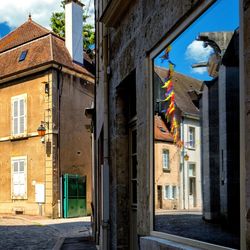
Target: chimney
(73, 29)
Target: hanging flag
(169, 86)
(169, 95)
(167, 83)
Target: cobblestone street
(29, 232)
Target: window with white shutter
(19, 177)
(18, 115)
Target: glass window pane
(15, 166)
(21, 166)
(191, 77)
(165, 159)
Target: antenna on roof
(30, 17)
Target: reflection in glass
(196, 130)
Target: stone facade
(123, 46)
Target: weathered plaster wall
(75, 139)
(30, 146)
(170, 177)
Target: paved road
(26, 232)
(191, 225)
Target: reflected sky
(187, 51)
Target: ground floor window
(19, 177)
(170, 192)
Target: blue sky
(222, 16)
(4, 29)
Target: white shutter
(21, 116)
(15, 178)
(25, 114)
(19, 177)
(14, 116)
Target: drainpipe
(183, 163)
(60, 178)
(105, 172)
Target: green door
(74, 196)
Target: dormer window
(23, 55)
(163, 130)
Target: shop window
(192, 72)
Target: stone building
(167, 160)
(220, 140)
(186, 91)
(43, 84)
(129, 36)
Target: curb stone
(59, 243)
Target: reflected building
(220, 130)
(167, 162)
(187, 192)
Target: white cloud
(197, 53)
(15, 12)
(199, 70)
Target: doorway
(74, 196)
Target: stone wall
(144, 25)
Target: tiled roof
(42, 45)
(161, 131)
(23, 34)
(182, 85)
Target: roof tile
(43, 47)
(23, 34)
(182, 85)
(161, 131)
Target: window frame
(193, 146)
(170, 194)
(165, 169)
(18, 159)
(24, 132)
(166, 40)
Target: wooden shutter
(19, 177)
(15, 178)
(14, 115)
(19, 114)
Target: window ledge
(18, 137)
(191, 148)
(166, 170)
(19, 198)
(113, 12)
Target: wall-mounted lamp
(46, 87)
(186, 157)
(41, 130)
